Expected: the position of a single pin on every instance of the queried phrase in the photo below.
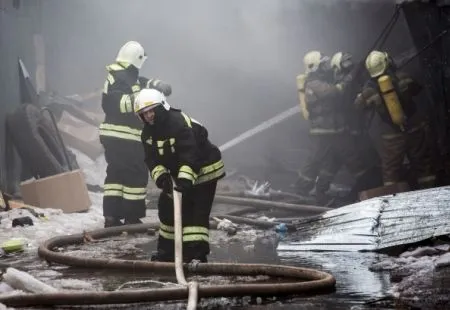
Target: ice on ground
(57, 222)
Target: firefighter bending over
(120, 134)
(404, 130)
(177, 147)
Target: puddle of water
(355, 283)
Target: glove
(166, 89)
(403, 84)
(183, 185)
(164, 182)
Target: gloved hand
(166, 89)
(403, 84)
(164, 182)
(183, 185)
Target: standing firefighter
(404, 130)
(326, 105)
(317, 167)
(120, 134)
(177, 147)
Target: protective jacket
(117, 102)
(178, 144)
(406, 89)
(324, 100)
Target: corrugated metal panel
(376, 223)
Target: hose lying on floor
(301, 280)
(267, 204)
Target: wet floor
(356, 285)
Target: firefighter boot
(129, 221)
(162, 256)
(112, 221)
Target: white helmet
(132, 53)
(312, 60)
(148, 99)
(377, 63)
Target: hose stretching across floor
(301, 280)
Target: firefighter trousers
(196, 208)
(415, 145)
(126, 179)
(330, 153)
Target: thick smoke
(232, 64)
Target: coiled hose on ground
(300, 280)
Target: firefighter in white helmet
(404, 129)
(120, 134)
(328, 167)
(177, 147)
(325, 99)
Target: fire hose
(179, 272)
(304, 281)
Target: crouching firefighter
(404, 130)
(120, 134)
(177, 148)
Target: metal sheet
(375, 224)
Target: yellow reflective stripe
(211, 176)
(113, 193)
(195, 230)
(212, 167)
(186, 172)
(125, 104)
(121, 128)
(149, 141)
(113, 186)
(189, 238)
(135, 88)
(110, 78)
(166, 227)
(211, 172)
(134, 196)
(115, 67)
(172, 141)
(120, 135)
(119, 131)
(166, 235)
(160, 143)
(161, 152)
(135, 190)
(187, 120)
(157, 171)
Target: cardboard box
(66, 191)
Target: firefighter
(317, 169)
(120, 134)
(326, 105)
(404, 130)
(177, 148)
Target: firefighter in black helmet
(404, 130)
(120, 134)
(177, 148)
